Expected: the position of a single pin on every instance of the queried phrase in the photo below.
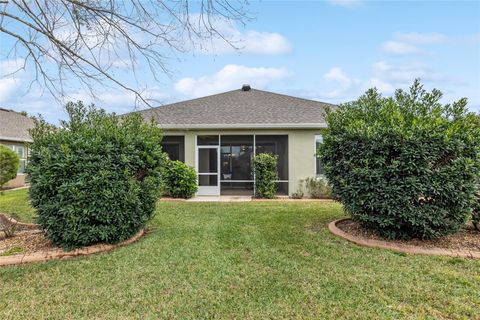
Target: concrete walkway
(220, 199)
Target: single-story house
(14, 134)
(219, 135)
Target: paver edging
(58, 254)
(372, 243)
(23, 224)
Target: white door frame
(208, 190)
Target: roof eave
(13, 139)
(247, 126)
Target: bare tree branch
(85, 41)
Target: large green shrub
(405, 166)
(265, 167)
(179, 180)
(95, 178)
(9, 163)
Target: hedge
(406, 165)
(265, 167)
(96, 178)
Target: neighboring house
(14, 134)
(219, 135)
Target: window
(174, 146)
(318, 164)
(207, 140)
(277, 145)
(22, 154)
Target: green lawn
(243, 261)
(16, 204)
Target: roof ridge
(227, 92)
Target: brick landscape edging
(57, 254)
(371, 243)
(22, 224)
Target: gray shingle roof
(14, 126)
(241, 109)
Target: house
(14, 134)
(219, 135)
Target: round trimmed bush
(96, 178)
(179, 180)
(9, 162)
(406, 166)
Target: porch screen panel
(174, 146)
(277, 145)
(236, 157)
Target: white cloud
(408, 43)
(337, 74)
(9, 66)
(234, 40)
(338, 86)
(253, 42)
(118, 100)
(405, 73)
(397, 47)
(381, 85)
(421, 38)
(345, 3)
(228, 78)
(7, 87)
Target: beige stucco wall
(301, 149)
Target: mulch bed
(466, 239)
(28, 238)
(29, 244)
(26, 242)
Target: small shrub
(406, 166)
(179, 180)
(299, 193)
(96, 178)
(9, 162)
(265, 167)
(318, 188)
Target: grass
(243, 261)
(12, 251)
(16, 204)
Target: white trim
(208, 190)
(315, 154)
(246, 126)
(254, 154)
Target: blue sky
(330, 51)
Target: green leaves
(179, 180)
(96, 178)
(265, 167)
(9, 162)
(406, 166)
